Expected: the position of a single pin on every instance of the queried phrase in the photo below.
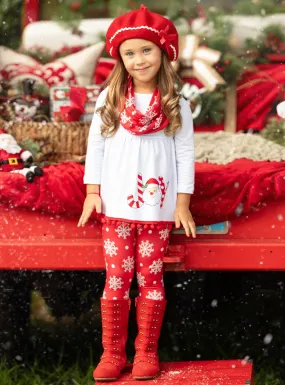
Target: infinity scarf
(137, 123)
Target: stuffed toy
(14, 159)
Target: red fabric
(73, 112)
(103, 69)
(255, 101)
(143, 24)
(123, 256)
(221, 191)
(140, 124)
(4, 155)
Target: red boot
(149, 318)
(115, 316)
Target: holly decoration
(270, 41)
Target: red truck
(33, 241)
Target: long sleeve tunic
(140, 175)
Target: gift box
(74, 103)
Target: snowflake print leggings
(127, 250)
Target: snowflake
(158, 122)
(124, 230)
(156, 295)
(104, 295)
(110, 248)
(124, 117)
(126, 296)
(162, 282)
(156, 266)
(115, 283)
(147, 118)
(128, 264)
(106, 266)
(164, 234)
(130, 101)
(140, 279)
(146, 248)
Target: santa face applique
(151, 193)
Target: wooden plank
(226, 372)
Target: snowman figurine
(14, 159)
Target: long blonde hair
(168, 83)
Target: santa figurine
(14, 159)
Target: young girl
(140, 176)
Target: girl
(140, 176)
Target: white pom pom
(281, 110)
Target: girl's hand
(182, 215)
(92, 201)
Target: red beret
(143, 24)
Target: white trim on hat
(131, 28)
(174, 50)
(141, 27)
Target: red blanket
(255, 102)
(221, 192)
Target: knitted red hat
(143, 24)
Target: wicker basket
(57, 141)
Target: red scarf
(137, 123)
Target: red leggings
(127, 250)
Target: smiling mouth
(142, 69)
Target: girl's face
(142, 60)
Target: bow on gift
(201, 59)
(73, 112)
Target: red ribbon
(73, 112)
(165, 37)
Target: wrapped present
(198, 62)
(71, 104)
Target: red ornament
(75, 6)
(133, 226)
(145, 227)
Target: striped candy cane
(131, 200)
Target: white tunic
(123, 164)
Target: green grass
(60, 375)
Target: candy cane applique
(163, 189)
(131, 200)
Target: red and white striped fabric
(139, 202)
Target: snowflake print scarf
(137, 123)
